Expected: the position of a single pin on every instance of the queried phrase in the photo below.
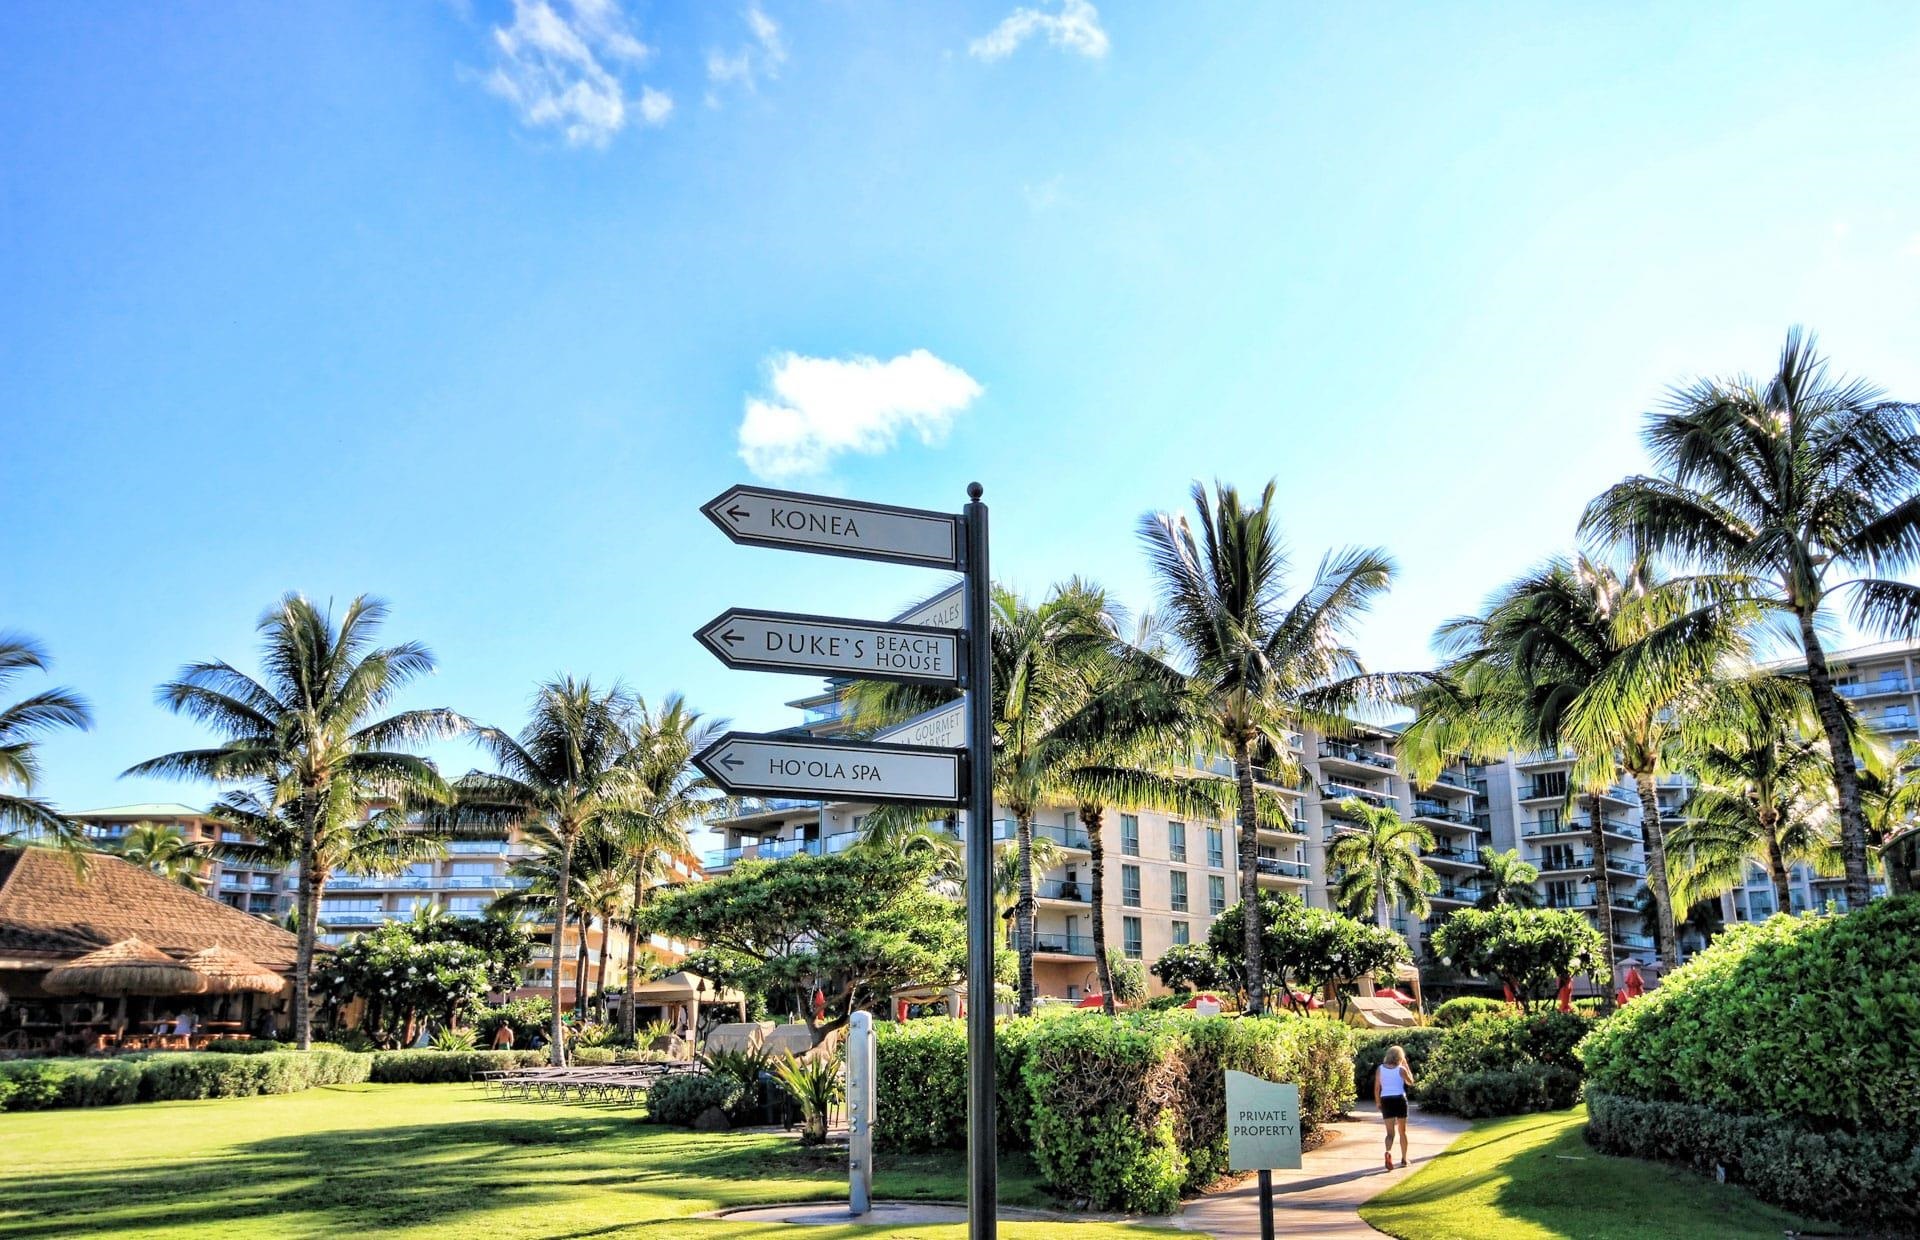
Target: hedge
(920, 1078)
(431, 1067)
(1465, 1008)
(44, 1084)
(1370, 1050)
(1872, 1177)
(1505, 1065)
(1782, 1053)
(1314, 1052)
(682, 1097)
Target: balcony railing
(1340, 792)
(1643, 942)
(1467, 855)
(1064, 944)
(1282, 867)
(1612, 826)
(1584, 861)
(1886, 684)
(1442, 813)
(427, 882)
(1063, 889)
(1456, 891)
(1353, 753)
(1065, 837)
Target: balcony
(1560, 864)
(378, 918)
(1354, 755)
(1436, 812)
(1621, 902)
(1045, 944)
(1454, 857)
(1074, 838)
(1886, 684)
(426, 882)
(1610, 826)
(1456, 893)
(776, 850)
(1277, 867)
(1639, 942)
(1069, 890)
(1340, 792)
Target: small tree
(403, 979)
(1313, 948)
(1532, 950)
(852, 927)
(1129, 978)
(1192, 966)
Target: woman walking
(1391, 1080)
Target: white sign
(1263, 1124)
(795, 766)
(945, 610)
(944, 727)
(760, 517)
(774, 641)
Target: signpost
(942, 641)
(1263, 1132)
(776, 641)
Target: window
(1130, 937)
(1177, 890)
(1130, 834)
(1549, 784)
(1177, 841)
(1216, 848)
(1549, 820)
(1130, 886)
(1181, 934)
(1216, 895)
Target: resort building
(252, 886)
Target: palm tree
(380, 838)
(678, 796)
(1509, 880)
(21, 724)
(574, 770)
(1890, 796)
(310, 727)
(1763, 799)
(1790, 491)
(1378, 863)
(1258, 665)
(164, 850)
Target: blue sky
(466, 305)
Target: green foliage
(593, 1056)
(683, 1097)
(504, 945)
(1312, 948)
(1370, 1049)
(1313, 1052)
(1869, 1178)
(525, 1017)
(1467, 1007)
(817, 1085)
(1492, 1061)
(1105, 1096)
(1129, 977)
(41, 1084)
(1805, 1020)
(400, 973)
(431, 1067)
(1192, 966)
(859, 924)
(920, 1085)
(244, 1046)
(1532, 950)
(451, 1039)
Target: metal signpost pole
(982, 1123)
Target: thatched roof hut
(228, 972)
(129, 967)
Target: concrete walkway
(1323, 1198)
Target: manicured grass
(1535, 1176)
(431, 1160)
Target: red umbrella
(1303, 999)
(1636, 985)
(1197, 999)
(1388, 992)
(1092, 1000)
(1566, 994)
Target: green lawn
(432, 1160)
(1535, 1176)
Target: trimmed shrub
(244, 1046)
(593, 1056)
(920, 1071)
(1527, 1062)
(684, 1097)
(33, 1084)
(1370, 1050)
(431, 1067)
(1872, 1177)
(1782, 1054)
(1314, 1052)
(1015, 1112)
(1511, 1091)
(1105, 1095)
(1465, 1008)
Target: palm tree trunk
(309, 900)
(1602, 896)
(557, 1047)
(1666, 937)
(1776, 864)
(580, 969)
(1381, 915)
(600, 973)
(1250, 876)
(1023, 912)
(1846, 779)
(1090, 818)
(630, 1011)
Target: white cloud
(565, 68)
(1075, 28)
(817, 408)
(759, 58)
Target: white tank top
(1392, 1084)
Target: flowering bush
(402, 978)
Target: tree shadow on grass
(376, 1179)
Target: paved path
(1323, 1198)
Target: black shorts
(1394, 1106)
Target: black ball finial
(975, 491)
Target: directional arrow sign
(753, 763)
(760, 517)
(942, 611)
(944, 727)
(773, 641)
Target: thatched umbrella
(228, 972)
(129, 967)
